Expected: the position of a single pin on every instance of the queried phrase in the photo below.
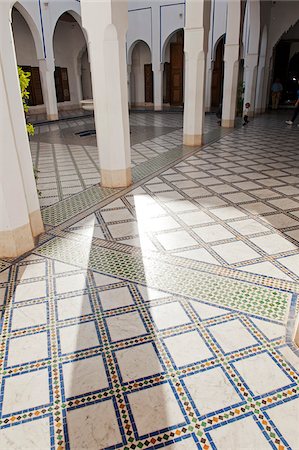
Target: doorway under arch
(218, 74)
(173, 77)
(142, 84)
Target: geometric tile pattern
(118, 342)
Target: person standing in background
(276, 90)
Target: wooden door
(217, 76)
(62, 84)
(65, 84)
(148, 83)
(176, 73)
(36, 86)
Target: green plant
(24, 78)
(240, 98)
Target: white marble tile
(33, 435)
(205, 311)
(31, 271)
(225, 334)
(176, 240)
(116, 298)
(286, 418)
(29, 316)
(169, 315)
(284, 203)
(84, 376)
(258, 208)
(261, 374)
(104, 280)
(211, 202)
(187, 348)
(273, 243)
(213, 233)
(158, 224)
(238, 197)
(26, 391)
(124, 229)
(291, 263)
(199, 254)
(78, 337)
(234, 252)
(28, 291)
(248, 226)
(280, 221)
(196, 218)
(94, 426)
(228, 212)
(70, 283)
(76, 306)
(267, 269)
(137, 362)
(181, 205)
(271, 330)
(60, 267)
(242, 434)
(125, 326)
(162, 409)
(185, 444)
(116, 214)
(211, 390)
(24, 349)
(149, 294)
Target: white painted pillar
(210, 66)
(20, 218)
(106, 24)
(250, 78)
(261, 72)
(266, 83)
(158, 87)
(46, 70)
(252, 54)
(195, 48)
(231, 63)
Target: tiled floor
(161, 316)
(67, 163)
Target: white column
(260, 83)
(231, 63)
(250, 77)
(158, 87)
(46, 70)
(252, 54)
(106, 24)
(20, 218)
(195, 48)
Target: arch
(217, 72)
(39, 47)
(69, 44)
(221, 38)
(131, 49)
(167, 41)
(141, 76)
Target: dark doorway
(217, 75)
(148, 83)
(177, 69)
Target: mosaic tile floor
(161, 316)
(68, 163)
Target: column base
(158, 107)
(228, 123)
(52, 117)
(193, 140)
(14, 243)
(36, 223)
(116, 178)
